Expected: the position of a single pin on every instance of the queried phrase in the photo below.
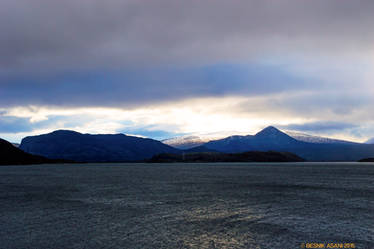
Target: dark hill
(250, 156)
(11, 155)
(75, 146)
(367, 160)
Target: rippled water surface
(186, 205)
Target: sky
(166, 68)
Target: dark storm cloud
(70, 52)
(93, 33)
(133, 88)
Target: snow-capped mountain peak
(185, 142)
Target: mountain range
(71, 145)
(188, 142)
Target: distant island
(250, 156)
(367, 160)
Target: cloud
(96, 34)
(370, 141)
(213, 116)
(30, 123)
(152, 131)
(127, 53)
(321, 126)
(9, 124)
(134, 88)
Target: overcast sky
(165, 68)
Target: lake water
(225, 205)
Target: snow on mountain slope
(315, 139)
(185, 142)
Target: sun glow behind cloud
(208, 117)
